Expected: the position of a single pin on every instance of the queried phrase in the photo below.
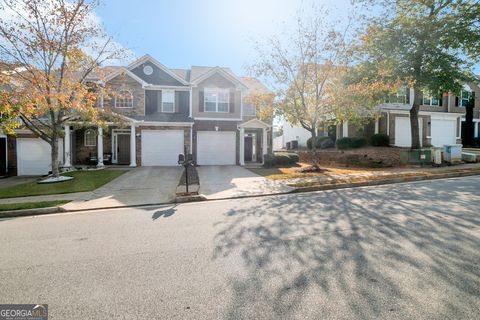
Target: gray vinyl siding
(158, 77)
(216, 81)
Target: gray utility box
(452, 153)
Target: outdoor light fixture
(216, 128)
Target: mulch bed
(192, 177)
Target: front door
(248, 148)
(3, 156)
(123, 149)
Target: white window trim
(217, 91)
(173, 101)
(430, 96)
(85, 138)
(461, 98)
(131, 95)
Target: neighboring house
(440, 118)
(291, 133)
(164, 110)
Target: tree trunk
(54, 154)
(314, 147)
(415, 132)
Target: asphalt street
(405, 251)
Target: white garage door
(216, 148)
(161, 147)
(444, 131)
(403, 135)
(33, 156)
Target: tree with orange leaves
(50, 54)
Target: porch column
(242, 147)
(377, 125)
(100, 147)
(133, 154)
(265, 144)
(345, 129)
(475, 134)
(67, 152)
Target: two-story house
(163, 111)
(440, 118)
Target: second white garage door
(161, 147)
(444, 131)
(216, 148)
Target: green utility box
(416, 156)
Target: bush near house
(280, 159)
(351, 143)
(321, 143)
(380, 140)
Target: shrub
(380, 140)
(351, 143)
(280, 159)
(321, 143)
(476, 141)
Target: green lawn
(31, 205)
(84, 181)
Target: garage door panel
(161, 147)
(34, 156)
(216, 148)
(443, 131)
(403, 134)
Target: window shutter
(232, 101)
(177, 101)
(407, 94)
(201, 102)
(421, 98)
(159, 101)
(441, 99)
(456, 102)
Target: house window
(90, 138)
(217, 100)
(249, 110)
(168, 101)
(465, 97)
(124, 99)
(430, 99)
(399, 97)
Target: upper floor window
(168, 101)
(399, 97)
(216, 100)
(90, 138)
(465, 97)
(124, 99)
(430, 99)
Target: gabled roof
(121, 70)
(198, 74)
(254, 85)
(254, 123)
(147, 57)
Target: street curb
(202, 198)
(30, 212)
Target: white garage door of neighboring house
(403, 135)
(216, 148)
(444, 131)
(161, 147)
(33, 156)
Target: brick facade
(124, 82)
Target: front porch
(253, 142)
(96, 146)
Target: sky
(182, 33)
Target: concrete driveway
(142, 185)
(218, 182)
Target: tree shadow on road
(408, 251)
